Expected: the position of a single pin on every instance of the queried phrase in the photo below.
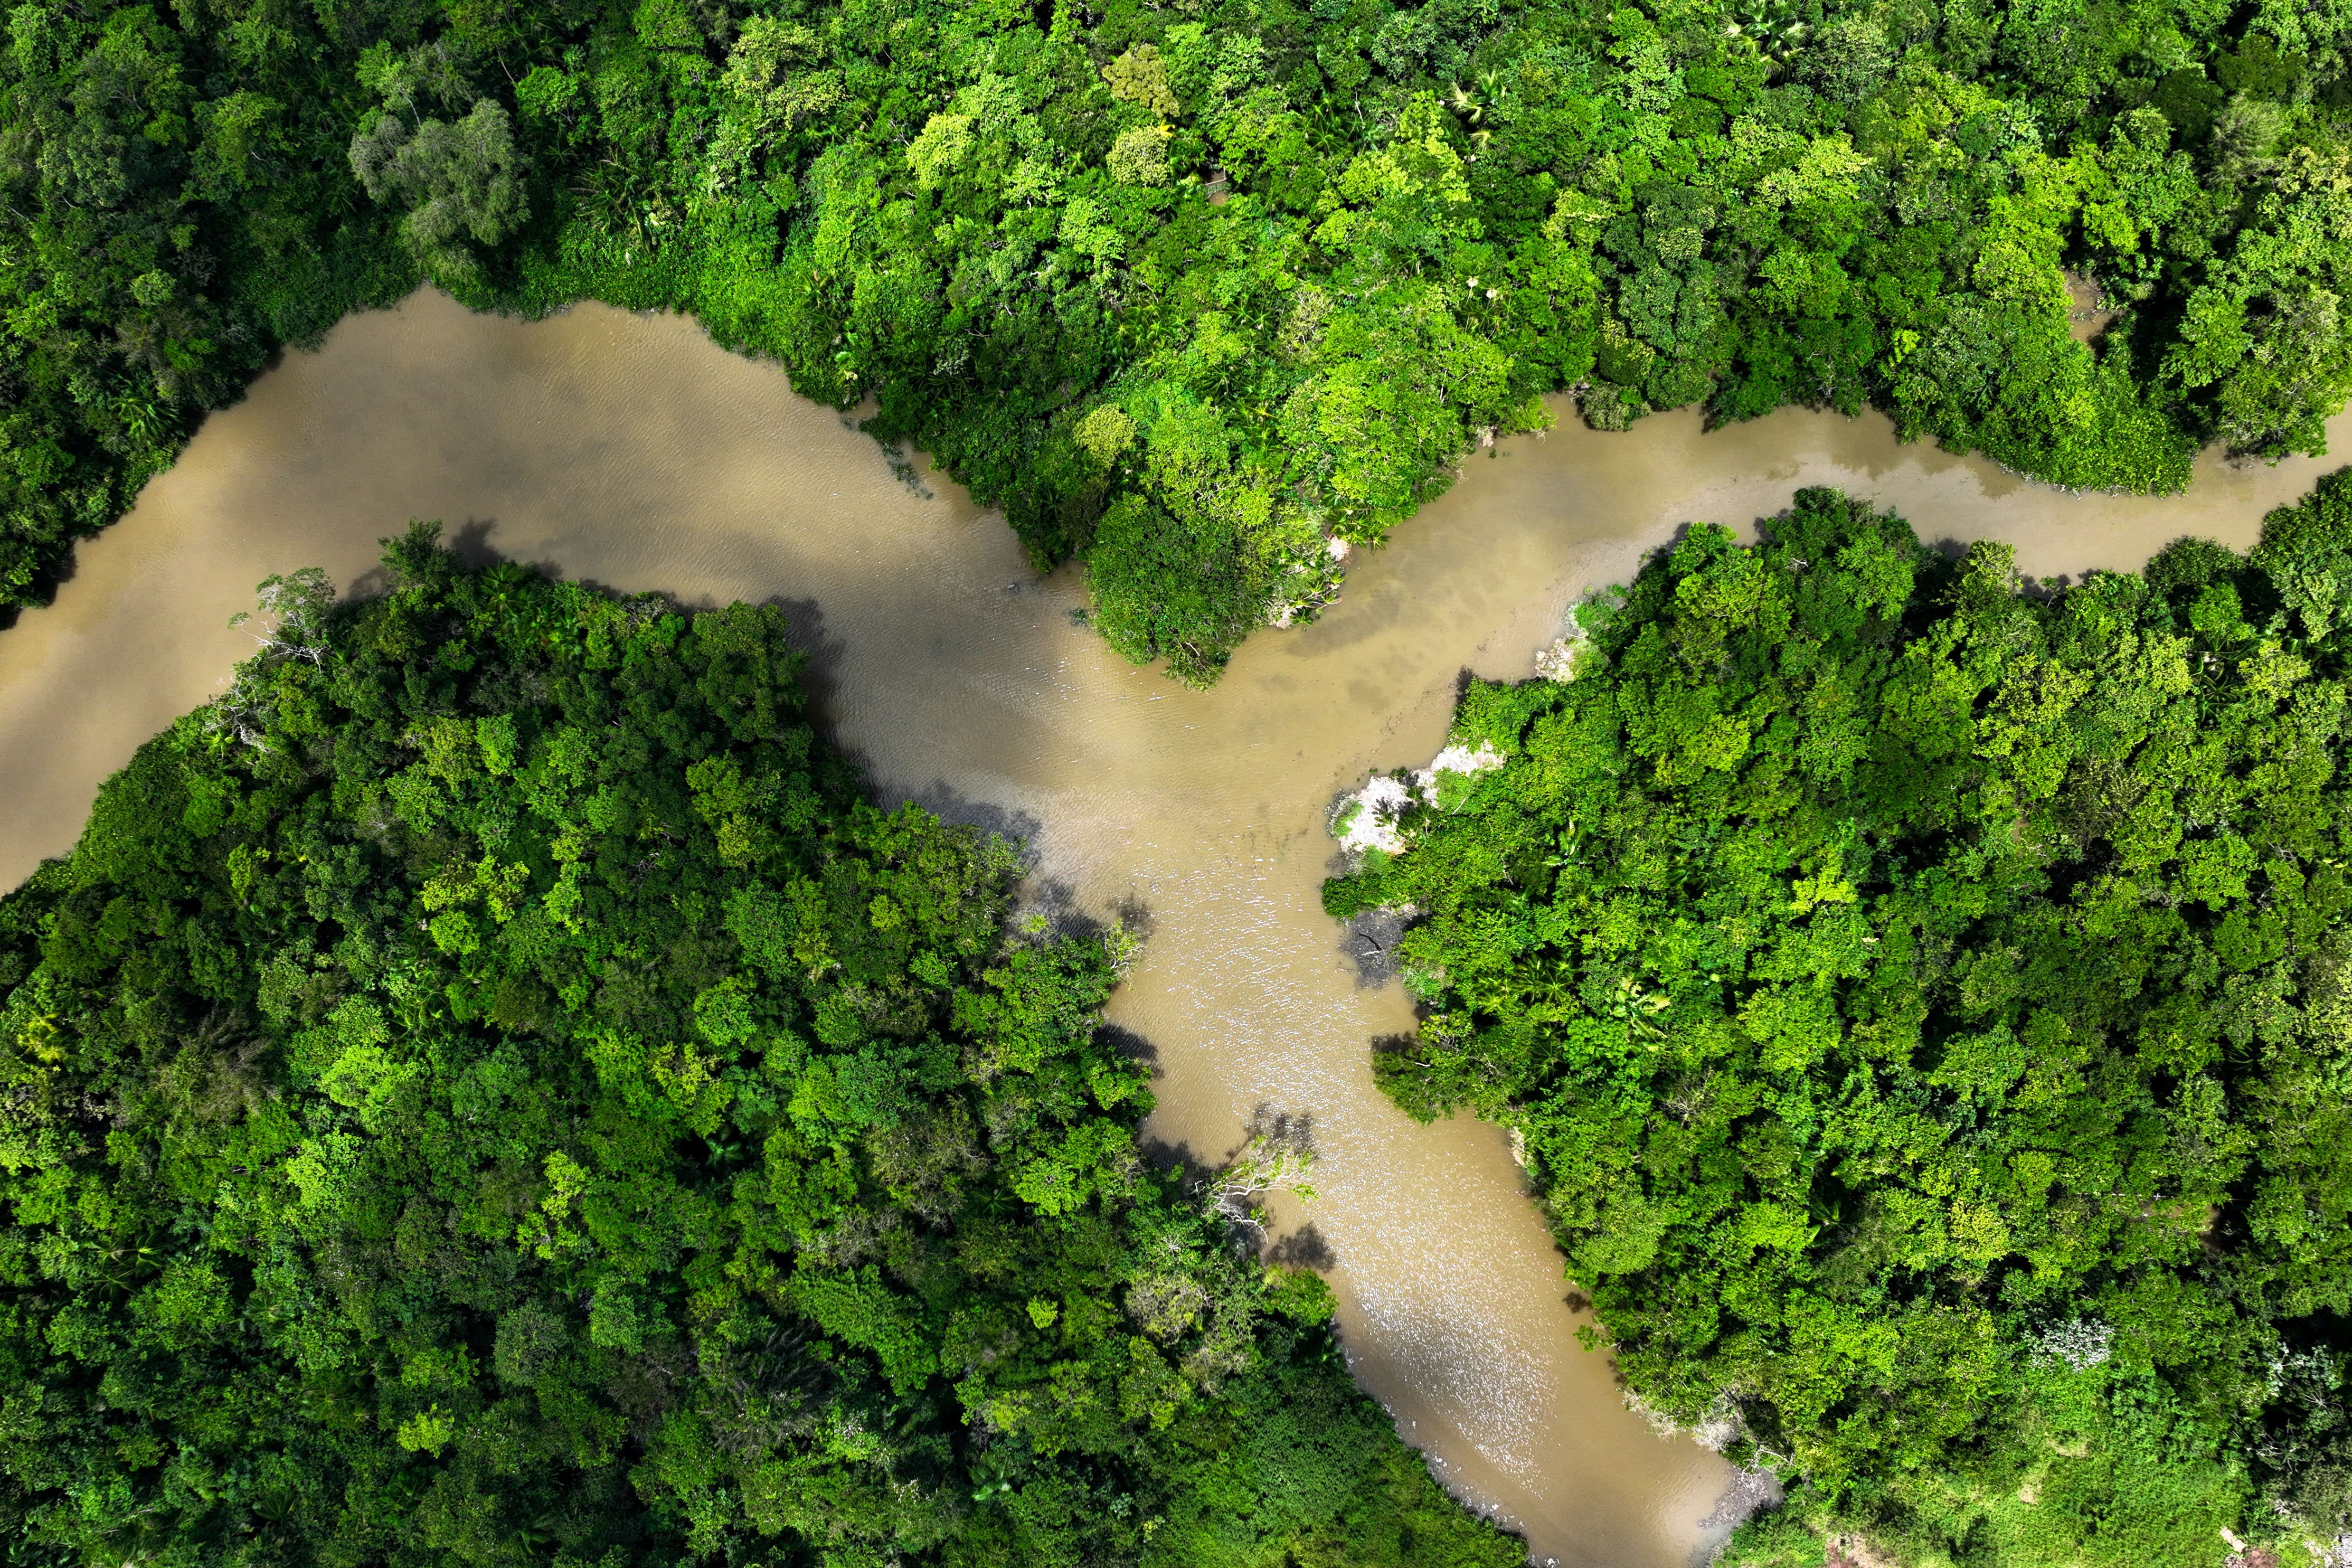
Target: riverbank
(632, 451)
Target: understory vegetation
(1198, 291)
(1925, 1003)
(488, 1090)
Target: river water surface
(630, 450)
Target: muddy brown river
(631, 451)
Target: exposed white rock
(1456, 760)
(1368, 819)
(1561, 660)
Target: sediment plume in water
(632, 451)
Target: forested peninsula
(490, 1089)
(1922, 1003)
(1202, 293)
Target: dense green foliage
(488, 1090)
(1192, 290)
(1927, 1010)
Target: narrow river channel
(630, 451)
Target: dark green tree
(488, 1090)
(1311, 255)
(1923, 1006)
